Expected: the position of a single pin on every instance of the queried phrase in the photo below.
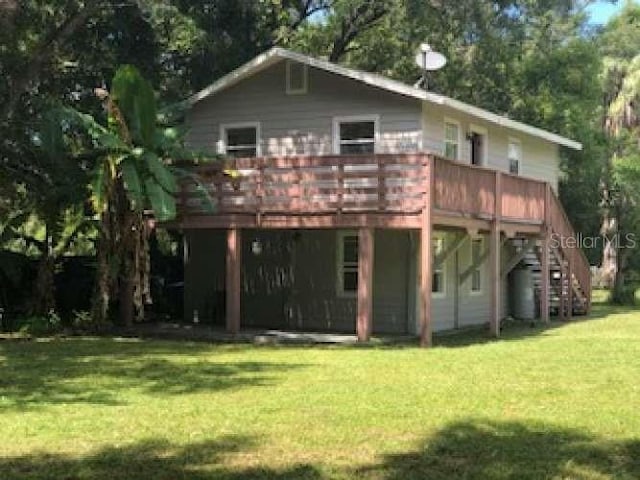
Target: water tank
(523, 303)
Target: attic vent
(297, 78)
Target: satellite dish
(429, 60)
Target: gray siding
(540, 159)
(303, 124)
(292, 283)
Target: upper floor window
(515, 156)
(297, 78)
(476, 256)
(438, 277)
(355, 135)
(240, 140)
(452, 140)
(347, 263)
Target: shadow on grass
(472, 449)
(510, 450)
(92, 371)
(151, 459)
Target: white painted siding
(540, 159)
(303, 124)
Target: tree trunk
(43, 295)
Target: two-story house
(367, 205)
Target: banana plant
(133, 181)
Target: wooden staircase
(569, 271)
(559, 284)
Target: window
(347, 264)
(355, 135)
(297, 78)
(476, 254)
(515, 156)
(452, 140)
(240, 140)
(438, 279)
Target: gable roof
(277, 54)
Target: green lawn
(561, 402)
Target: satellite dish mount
(429, 61)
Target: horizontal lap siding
(475, 308)
(443, 308)
(303, 124)
(391, 281)
(540, 159)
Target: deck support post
(544, 279)
(569, 292)
(365, 283)
(426, 259)
(544, 258)
(233, 281)
(562, 297)
(495, 252)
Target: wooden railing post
(365, 283)
(426, 257)
(259, 191)
(495, 245)
(340, 179)
(382, 184)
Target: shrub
(624, 295)
(40, 325)
(83, 322)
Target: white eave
(276, 54)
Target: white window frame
(443, 266)
(337, 121)
(451, 121)
(485, 148)
(305, 79)
(224, 127)
(341, 235)
(514, 141)
(480, 268)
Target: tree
(620, 121)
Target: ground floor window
(347, 264)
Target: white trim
(453, 121)
(336, 121)
(340, 236)
(276, 54)
(484, 131)
(305, 79)
(222, 136)
(480, 267)
(443, 265)
(510, 141)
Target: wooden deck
(404, 191)
(383, 191)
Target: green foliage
(84, 323)
(40, 325)
(623, 295)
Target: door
(477, 148)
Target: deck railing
(381, 184)
(314, 185)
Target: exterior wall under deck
(292, 283)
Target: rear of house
(305, 272)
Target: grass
(560, 402)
